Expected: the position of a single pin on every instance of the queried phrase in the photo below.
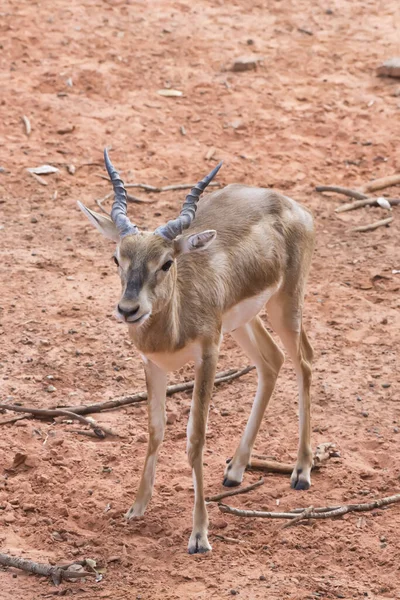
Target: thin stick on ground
(129, 197)
(27, 125)
(329, 512)
(305, 514)
(43, 413)
(341, 190)
(381, 183)
(222, 377)
(14, 419)
(57, 574)
(159, 189)
(366, 202)
(224, 538)
(323, 452)
(372, 226)
(243, 490)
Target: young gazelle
(194, 279)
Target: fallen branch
(323, 452)
(222, 377)
(329, 512)
(381, 183)
(366, 202)
(270, 466)
(159, 189)
(57, 574)
(373, 226)
(223, 538)
(14, 419)
(129, 197)
(340, 190)
(243, 490)
(27, 125)
(43, 413)
(305, 514)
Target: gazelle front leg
(196, 432)
(156, 381)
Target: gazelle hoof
(198, 544)
(230, 483)
(300, 479)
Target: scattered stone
(34, 220)
(171, 418)
(262, 578)
(386, 385)
(71, 169)
(9, 518)
(28, 507)
(245, 63)
(234, 592)
(225, 413)
(365, 413)
(51, 389)
(390, 68)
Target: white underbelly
(244, 311)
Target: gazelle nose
(128, 312)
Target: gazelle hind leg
(268, 359)
(287, 322)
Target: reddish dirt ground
(312, 112)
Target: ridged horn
(175, 227)
(119, 207)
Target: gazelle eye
(115, 259)
(166, 266)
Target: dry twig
(373, 226)
(329, 512)
(223, 538)
(305, 514)
(366, 202)
(43, 413)
(57, 574)
(222, 377)
(27, 125)
(381, 183)
(14, 419)
(323, 452)
(340, 190)
(243, 490)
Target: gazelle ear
(103, 223)
(196, 241)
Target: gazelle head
(147, 260)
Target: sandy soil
(87, 74)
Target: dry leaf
(43, 170)
(170, 93)
(383, 203)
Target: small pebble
(224, 413)
(51, 389)
(365, 413)
(386, 385)
(359, 398)
(171, 418)
(34, 220)
(234, 592)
